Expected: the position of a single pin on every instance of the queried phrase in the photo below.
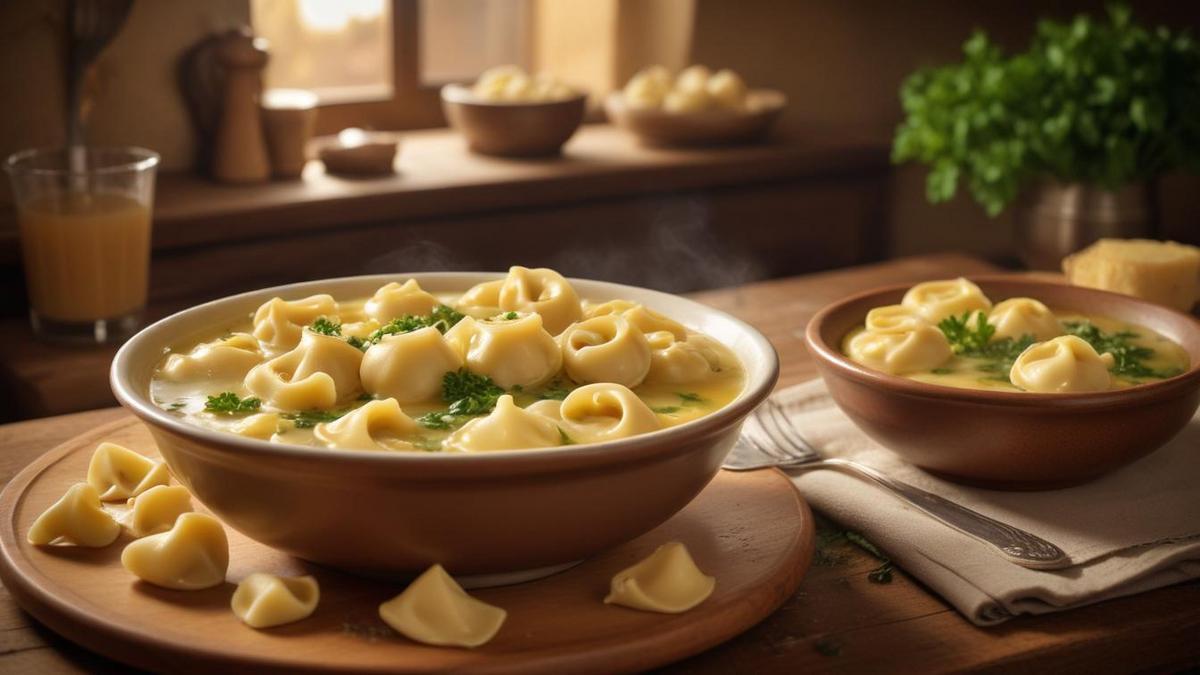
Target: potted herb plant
(1074, 130)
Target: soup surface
(518, 363)
(949, 333)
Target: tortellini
(648, 87)
(901, 352)
(511, 83)
(259, 425)
(893, 318)
(193, 554)
(481, 300)
(279, 323)
(1016, 317)
(693, 359)
(264, 600)
(695, 89)
(435, 610)
(513, 352)
(507, 427)
(119, 473)
(936, 300)
(668, 581)
(409, 366)
(604, 411)
(319, 372)
(378, 425)
(228, 358)
(77, 518)
(543, 291)
(1065, 364)
(605, 349)
(156, 510)
(639, 316)
(395, 300)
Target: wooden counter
(838, 621)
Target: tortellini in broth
(948, 333)
(518, 362)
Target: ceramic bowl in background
(1011, 440)
(657, 127)
(513, 513)
(512, 129)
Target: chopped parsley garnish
(365, 397)
(1127, 357)
(177, 405)
(467, 395)
(689, 398)
(976, 341)
(666, 409)
(510, 316)
(442, 318)
(229, 403)
(308, 419)
(881, 574)
(326, 327)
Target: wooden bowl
(512, 129)
(657, 127)
(1011, 440)
(514, 513)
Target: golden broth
(964, 371)
(673, 404)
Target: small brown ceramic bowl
(657, 127)
(1011, 440)
(512, 129)
(500, 516)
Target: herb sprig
(324, 326)
(1128, 357)
(442, 318)
(468, 395)
(229, 403)
(971, 335)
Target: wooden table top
(838, 620)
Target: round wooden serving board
(752, 531)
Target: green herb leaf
(1128, 357)
(442, 317)
(666, 409)
(971, 335)
(229, 403)
(308, 419)
(326, 327)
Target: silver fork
(789, 450)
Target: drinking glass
(84, 218)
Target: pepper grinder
(240, 150)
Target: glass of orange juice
(84, 218)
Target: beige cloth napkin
(1130, 531)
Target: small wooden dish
(374, 153)
(657, 127)
(752, 531)
(516, 129)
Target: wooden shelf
(437, 177)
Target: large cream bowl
(497, 516)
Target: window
(379, 63)
(341, 50)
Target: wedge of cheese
(1159, 271)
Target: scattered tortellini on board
(513, 85)
(948, 332)
(694, 89)
(519, 362)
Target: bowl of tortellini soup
(695, 107)
(511, 113)
(1010, 382)
(497, 424)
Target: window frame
(413, 105)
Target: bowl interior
(134, 364)
(830, 326)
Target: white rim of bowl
(752, 394)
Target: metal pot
(1056, 219)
